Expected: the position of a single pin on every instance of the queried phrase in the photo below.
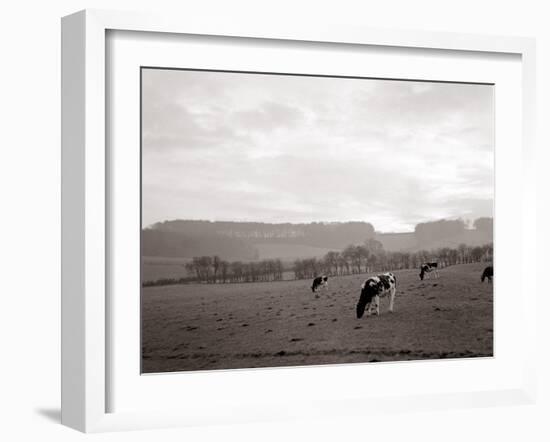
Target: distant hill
(167, 243)
(290, 252)
(250, 241)
(313, 234)
(397, 241)
(437, 234)
(409, 241)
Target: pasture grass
(223, 326)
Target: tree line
(371, 258)
(239, 240)
(189, 238)
(214, 270)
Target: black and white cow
(427, 268)
(372, 290)
(487, 273)
(320, 281)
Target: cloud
(268, 116)
(297, 149)
(168, 125)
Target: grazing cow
(372, 290)
(428, 268)
(320, 281)
(487, 273)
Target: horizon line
(319, 222)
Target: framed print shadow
(256, 220)
(308, 219)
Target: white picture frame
(86, 203)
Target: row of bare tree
(371, 257)
(212, 269)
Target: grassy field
(205, 327)
(157, 267)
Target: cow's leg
(392, 298)
(377, 304)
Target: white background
(30, 216)
(300, 386)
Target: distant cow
(428, 268)
(320, 281)
(487, 273)
(372, 290)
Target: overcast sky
(275, 148)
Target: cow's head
(422, 271)
(368, 291)
(360, 309)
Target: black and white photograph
(265, 221)
(298, 220)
